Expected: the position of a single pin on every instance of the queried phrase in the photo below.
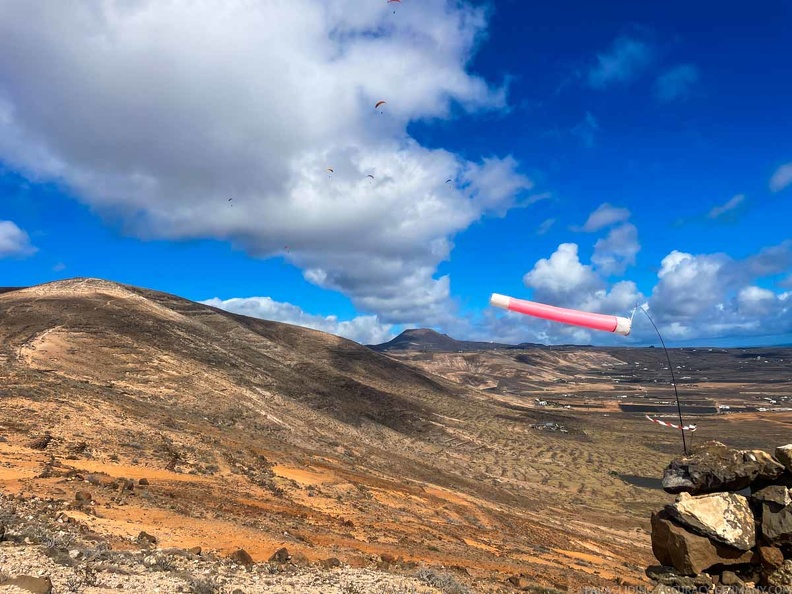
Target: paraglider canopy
(379, 103)
(330, 170)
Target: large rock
(241, 557)
(770, 557)
(784, 455)
(725, 517)
(776, 522)
(777, 494)
(687, 552)
(715, 467)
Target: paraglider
(448, 181)
(380, 103)
(371, 176)
(391, 1)
(595, 321)
(330, 170)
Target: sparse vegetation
(205, 585)
(444, 582)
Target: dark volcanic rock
(41, 443)
(146, 539)
(690, 553)
(714, 467)
(83, 497)
(330, 563)
(776, 522)
(777, 494)
(242, 557)
(280, 556)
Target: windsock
(575, 317)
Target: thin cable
(673, 380)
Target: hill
(257, 434)
(427, 340)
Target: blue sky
(601, 155)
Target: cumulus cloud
(166, 110)
(562, 278)
(14, 241)
(732, 204)
(676, 83)
(696, 296)
(714, 295)
(614, 253)
(782, 178)
(362, 329)
(626, 59)
(604, 216)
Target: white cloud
(728, 207)
(14, 241)
(587, 130)
(782, 178)
(755, 301)
(689, 285)
(699, 296)
(562, 278)
(713, 295)
(362, 329)
(614, 253)
(676, 83)
(604, 216)
(622, 63)
(545, 226)
(166, 110)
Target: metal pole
(673, 379)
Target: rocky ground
(43, 549)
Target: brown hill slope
(260, 434)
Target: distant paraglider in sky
(448, 181)
(371, 176)
(392, 1)
(586, 319)
(376, 106)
